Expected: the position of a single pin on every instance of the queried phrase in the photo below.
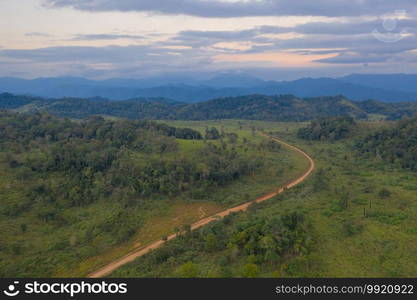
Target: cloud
(97, 37)
(109, 54)
(121, 61)
(37, 34)
(243, 8)
(338, 41)
(335, 28)
(352, 41)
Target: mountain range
(386, 87)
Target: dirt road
(108, 269)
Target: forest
(394, 145)
(81, 187)
(95, 156)
(283, 108)
(334, 128)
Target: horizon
(205, 77)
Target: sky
(271, 39)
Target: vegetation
(356, 219)
(71, 191)
(335, 128)
(397, 145)
(253, 107)
(77, 194)
(235, 247)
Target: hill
(399, 82)
(396, 145)
(251, 107)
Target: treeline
(397, 145)
(26, 127)
(332, 129)
(252, 107)
(238, 246)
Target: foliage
(396, 145)
(251, 107)
(260, 241)
(335, 128)
(188, 270)
(71, 189)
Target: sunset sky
(273, 39)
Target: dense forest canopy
(393, 145)
(252, 107)
(334, 128)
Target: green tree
(210, 242)
(188, 270)
(384, 193)
(250, 271)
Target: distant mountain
(226, 80)
(310, 87)
(388, 88)
(398, 82)
(252, 107)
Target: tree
(384, 193)
(233, 137)
(188, 270)
(210, 242)
(212, 134)
(331, 128)
(320, 180)
(23, 228)
(250, 270)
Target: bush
(188, 270)
(384, 193)
(250, 271)
(352, 227)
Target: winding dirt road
(108, 269)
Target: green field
(45, 236)
(360, 220)
(355, 217)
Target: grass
(370, 236)
(280, 168)
(153, 229)
(384, 248)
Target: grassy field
(280, 168)
(372, 235)
(361, 215)
(175, 216)
(81, 239)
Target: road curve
(108, 269)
